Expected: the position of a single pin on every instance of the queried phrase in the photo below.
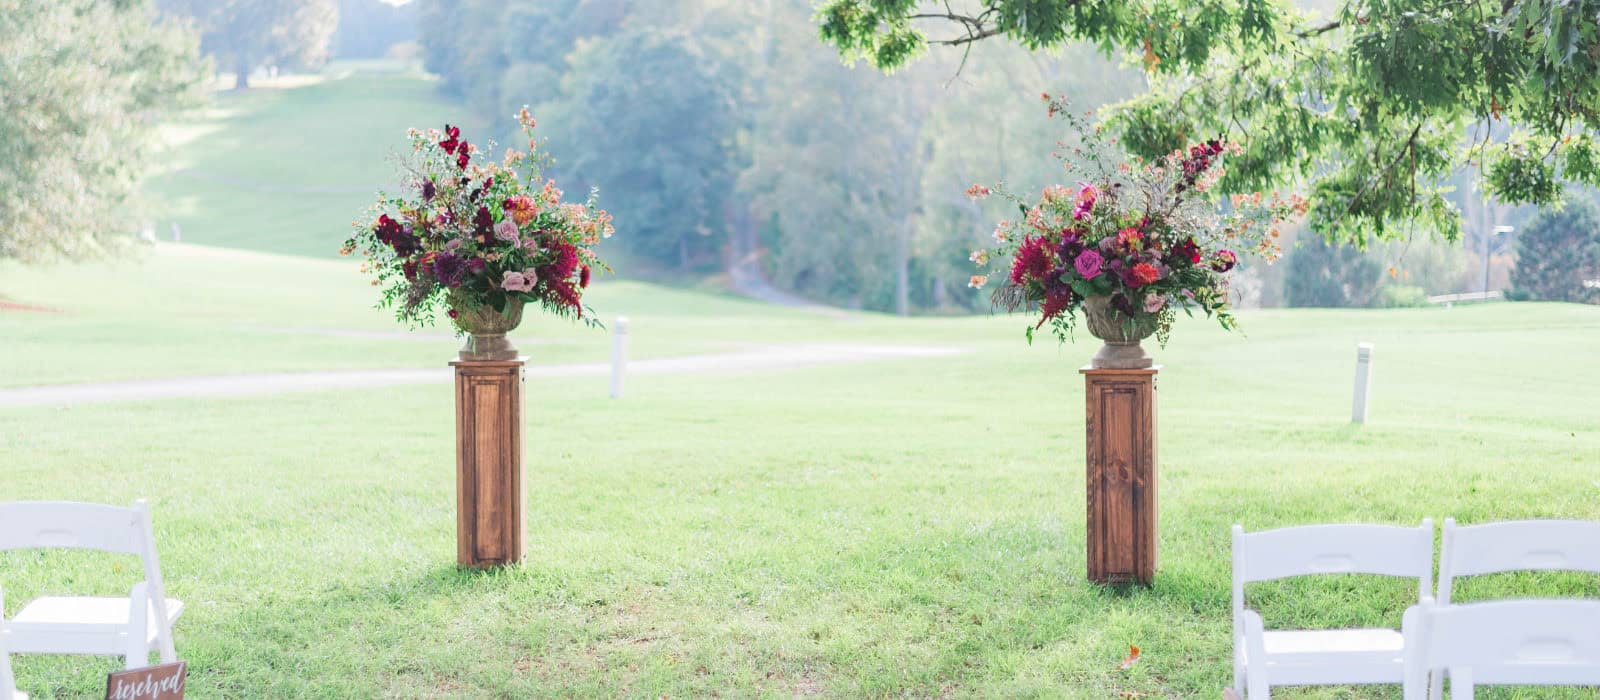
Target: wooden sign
(164, 682)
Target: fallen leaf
(1130, 659)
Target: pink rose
(516, 282)
(1154, 303)
(1088, 264)
(506, 231)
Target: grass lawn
(286, 169)
(909, 527)
(178, 310)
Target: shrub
(1558, 256)
(1326, 275)
(1395, 296)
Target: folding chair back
(1322, 657)
(1518, 545)
(1509, 642)
(82, 625)
(60, 525)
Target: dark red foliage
(483, 226)
(583, 277)
(1056, 300)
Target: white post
(619, 355)
(1358, 410)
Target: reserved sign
(164, 682)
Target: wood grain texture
(490, 520)
(1120, 456)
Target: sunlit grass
(908, 527)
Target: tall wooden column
(1120, 421)
(489, 488)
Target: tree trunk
(902, 271)
(241, 74)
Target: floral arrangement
(1147, 238)
(476, 234)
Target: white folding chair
(8, 682)
(1263, 658)
(1517, 545)
(1505, 642)
(125, 627)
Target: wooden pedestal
(1120, 421)
(489, 489)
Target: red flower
(1187, 251)
(583, 277)
(464, 155)
(1032, 261)
(1142, 274)
(450, 141)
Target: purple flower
(476, 265)
(1088, 264)
(428, 190)
(450, 269)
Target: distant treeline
(720, 131)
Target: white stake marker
(1358, 409)
(619, 355)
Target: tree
(1326, 274)
(80, 81)
(837, 165)
(369, 28)
(247, 34)
(658, 149)
(1374, 106)
(1558, 255)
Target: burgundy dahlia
(450, 269)
(1032, 261)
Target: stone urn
(1120, 333)
(486, 328)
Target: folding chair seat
(1264, 658)
(111, 626)
(1516, 545)
(1506, 642)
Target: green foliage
(1558, 255)
(1397, 296)
(1368, 106)
(79, 83)
(670, 185)
(1322, 274)
(247, 34)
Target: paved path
(757, 358)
